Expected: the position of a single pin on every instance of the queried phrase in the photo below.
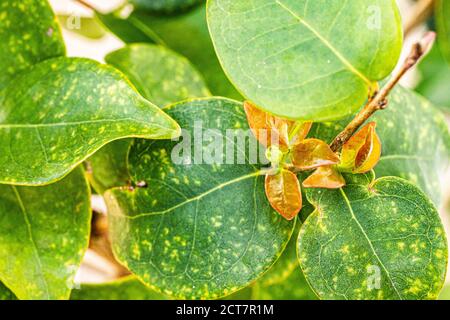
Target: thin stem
(421, 11)
(379, 100)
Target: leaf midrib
(198, 197)
(30, 234)
(327, 43)
(352, 213)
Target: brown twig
(422, 10)
(379, 100)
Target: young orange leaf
(362, 152)
(313, 153)
(326, 178)
(301, 133)
(267, 129)
(284, 193)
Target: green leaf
(61, 111)
(5, 293)
(296, 60)
(165, 6)
(128, 288)
(162, 77)
(198, 230)
(434, 79)
(415, 141)
(23, 42)
(445, 293)
(44, 232)
(185, 33)
(85, 26)
(374, 239)
(443, 26)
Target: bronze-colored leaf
(362, 152)
(301, 133)
(284, 193)
(326, 178)
(313, 153)
(268, 129)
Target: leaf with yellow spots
(43, 236)
(202, 228)
(362, 152)
(162, 77)
(418, 153)
(186, 33)
(61, 111)
(373, 239)
(23, 41)
(285, 279)
(284, 193)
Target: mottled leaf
(284, 193)
(128, 288)
(313, 153)
(284, 281)
(198, 230)
(185, 33)
(415, 137)
(362, 152)
(162, 77)
(374, 239)
(443, 26)
(165, 6)
(61, 111)
(23, 41)
(327, 177)
(44, 232)
(296, 60)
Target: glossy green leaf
(198, 230)
(185, 33)
(374, 239)
(165, 6)
(61, 111)
(435, 79)
(285, 280)
(44, 232)
(128, 288)
(23, 42)
(296, 60)
(443, 26)
(161, 76)
(415, 141)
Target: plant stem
(422, 10)
(379, 100)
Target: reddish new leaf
(301, 133)
(284, 193)
(326, 178)
(268, 129)
(313, 153)
(362, 152)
